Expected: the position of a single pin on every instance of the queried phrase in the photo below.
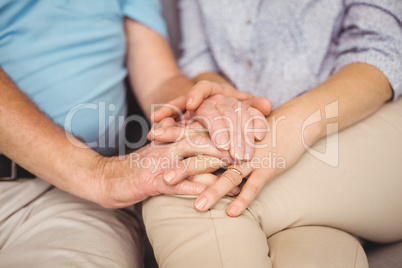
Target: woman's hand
(280, 149)
(348, 96)
(205, 89)
(232, 124)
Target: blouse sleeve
(196, 57)
(372, 33)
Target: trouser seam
(357, 254)
(216, 237)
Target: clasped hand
(238, 131)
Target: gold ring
(237, 171)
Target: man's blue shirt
(68, 57)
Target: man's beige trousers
(41, 226)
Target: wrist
(299, 119)
(80, 173)
(211, 77)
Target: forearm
(153, 71)
(350, 95)
(353, 93)
(172, 88)
(40, 146)
(211, 76)
(359, 90)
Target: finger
(205, 89)
(204, 178)
(183, 120)
(209, 179)
(156, 129)
(192, 166)
(215, 122)
(249, 139)
(260, 103)
(235, 191)
(259, 123)
(173, 109)
(197, 126)
(236, 120)
(182, 188)
(229, 180)
(199, 144)
(164, 122)
(168, 134)
(249, 192)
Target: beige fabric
(41, 226)
(360, 196)
(313, 247)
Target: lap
(316, 247)
(183, 237)
(360, 195)
(58, 229)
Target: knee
(207, 239)
(316, 246)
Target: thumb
(172, 109)
(260, 103)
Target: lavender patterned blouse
(280, 49)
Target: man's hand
(36, 143)
(123, 182)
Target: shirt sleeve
(147, 12)
(372, 33)
(196, 57)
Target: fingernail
(234, 210)
(200, 203)
(259, 136)
(234, 191)
(162, 123)
(249, 154)
(169, 176)
(223, 142)
(238, 157)
(189, 102)
(225, 147)
(158, 132)
(247, 157)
